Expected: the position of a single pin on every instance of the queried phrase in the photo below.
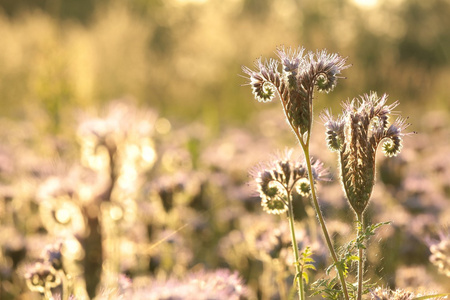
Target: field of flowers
(130, 143)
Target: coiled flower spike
(276, 181)
(295, 83)
(356, 135)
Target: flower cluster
(295, 83)
(399, 294)
(356, 135)
(440, 254)
(45, 275)
(218, 284)
(278, 179)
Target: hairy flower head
(301, 73)
(276, 180)
(356, 135)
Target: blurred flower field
(128, 144)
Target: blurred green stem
(360, 256)
(305, 147)
(298, 275)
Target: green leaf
(309, 267)
(353, 258)
(305, 277)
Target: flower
(356, 135)
(41, 277)
(440, 253)
(218, 284)
(295, 84)
(276, 180)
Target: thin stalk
(361, 258)
(305, 147)
(298, 275)
(431, 296)
(64, 288)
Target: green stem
(361, 257)
(298, 275)
(431, 296)
(305, 147)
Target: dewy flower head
(356, 135)
(295, 83)
(276, 180)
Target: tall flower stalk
(301, 74)
(356, 135)
(276, 183)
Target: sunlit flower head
(356, 135)
(124, 130)
(218, 284)
(277, 179)
(440, 253)
(301, 73)
(41, 277)
(61, 216)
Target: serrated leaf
(353, 258)
(305, 277)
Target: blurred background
(175, 66)
(184, 57)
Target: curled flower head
(41, 277)
(335, 131)
(440, 253)
(356, 135)
(276, 180)
(303, 187)
(296, 82)
(264, 80)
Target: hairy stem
(305, 147)
(431, 296)
(361, 257)
(298, 275)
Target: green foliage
(306, 263)
(330, 288)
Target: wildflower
(276, 181)
(399, 294)
(356, 135)
(303, 187)
(52, 254)
(120, 138)
(41, 277)
(386, 294)
(219, 284)
(440, 254)
(295, 83)
(62, 215)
